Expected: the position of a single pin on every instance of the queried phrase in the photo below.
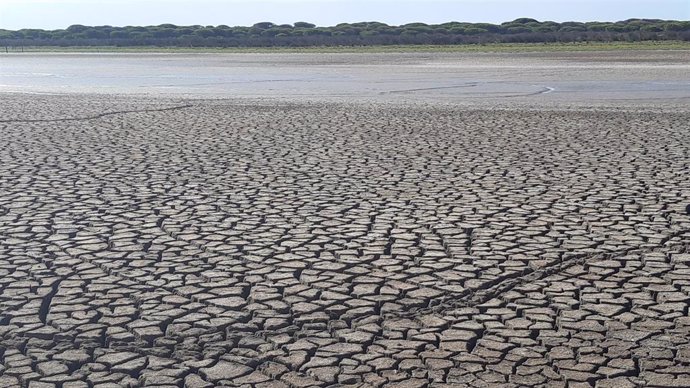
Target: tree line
(301, 34)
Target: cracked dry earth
(217, 243)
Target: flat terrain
(370, 229)
(610, 77)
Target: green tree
(676, 26)
(205, 32)
(119, 34)
(264, 25)
(518, 30)
(524, 21)
(76, 28)
(304, 25)
(475, 31)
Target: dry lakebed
(285, 220)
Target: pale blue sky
(53, 14)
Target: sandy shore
(289, 242)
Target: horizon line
(350, 23)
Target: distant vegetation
(302, 34)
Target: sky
(55, 14)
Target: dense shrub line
(523, 30)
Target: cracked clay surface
(214, 243)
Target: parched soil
(239, 243)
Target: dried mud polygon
(295, 245)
